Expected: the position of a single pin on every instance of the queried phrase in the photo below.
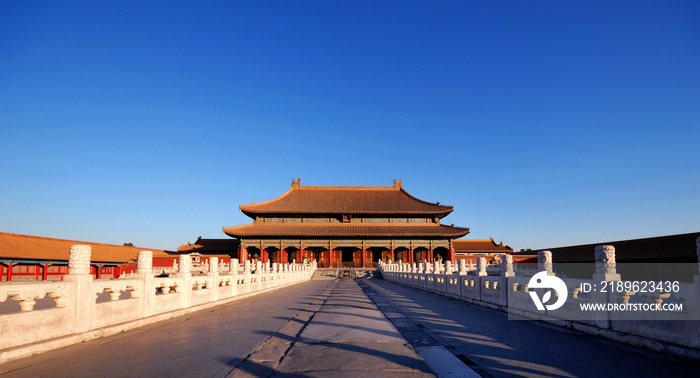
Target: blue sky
(543, 123)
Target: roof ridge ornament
(296, 183)
(397, 184)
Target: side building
(472, 249)
(35, 258)
(346, 225)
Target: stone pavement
(492, 345)
(340, 334)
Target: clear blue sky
(544, 123)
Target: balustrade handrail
(77, 315)
(508, 292)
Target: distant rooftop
(26, 247)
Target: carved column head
(79, 259)
(544, 261)
(246, 266)
(481, 266)
(448, 267)
(233, 265)
(605, 266)
(462, 266)
(605, 259)
(258, 267)
(605, 254)
(507, 266)
(213, 264)
(144, 262)
(184, 263)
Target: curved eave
(262, 230)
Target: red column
(430, 255)
(1, 271)
(410, 255)
(9, 272)
(363, 257)
(452, 254)
(45, 272)
(99, 271)
(242, 254)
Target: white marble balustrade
(503, 290)
(136, 300)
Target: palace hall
(345, 225)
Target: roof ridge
(347, 187)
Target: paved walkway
(340, 334)
(493, 345)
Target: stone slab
(356, 324)
(269, 352)
(366, 356)
(444, 363)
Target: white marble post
(214, 274)
(544, 262)
(144, 262)
(79, 274)
(462, 267)
(79, 259)
(481, 267)
(507, 266)
(605, 265)
(184, 265)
